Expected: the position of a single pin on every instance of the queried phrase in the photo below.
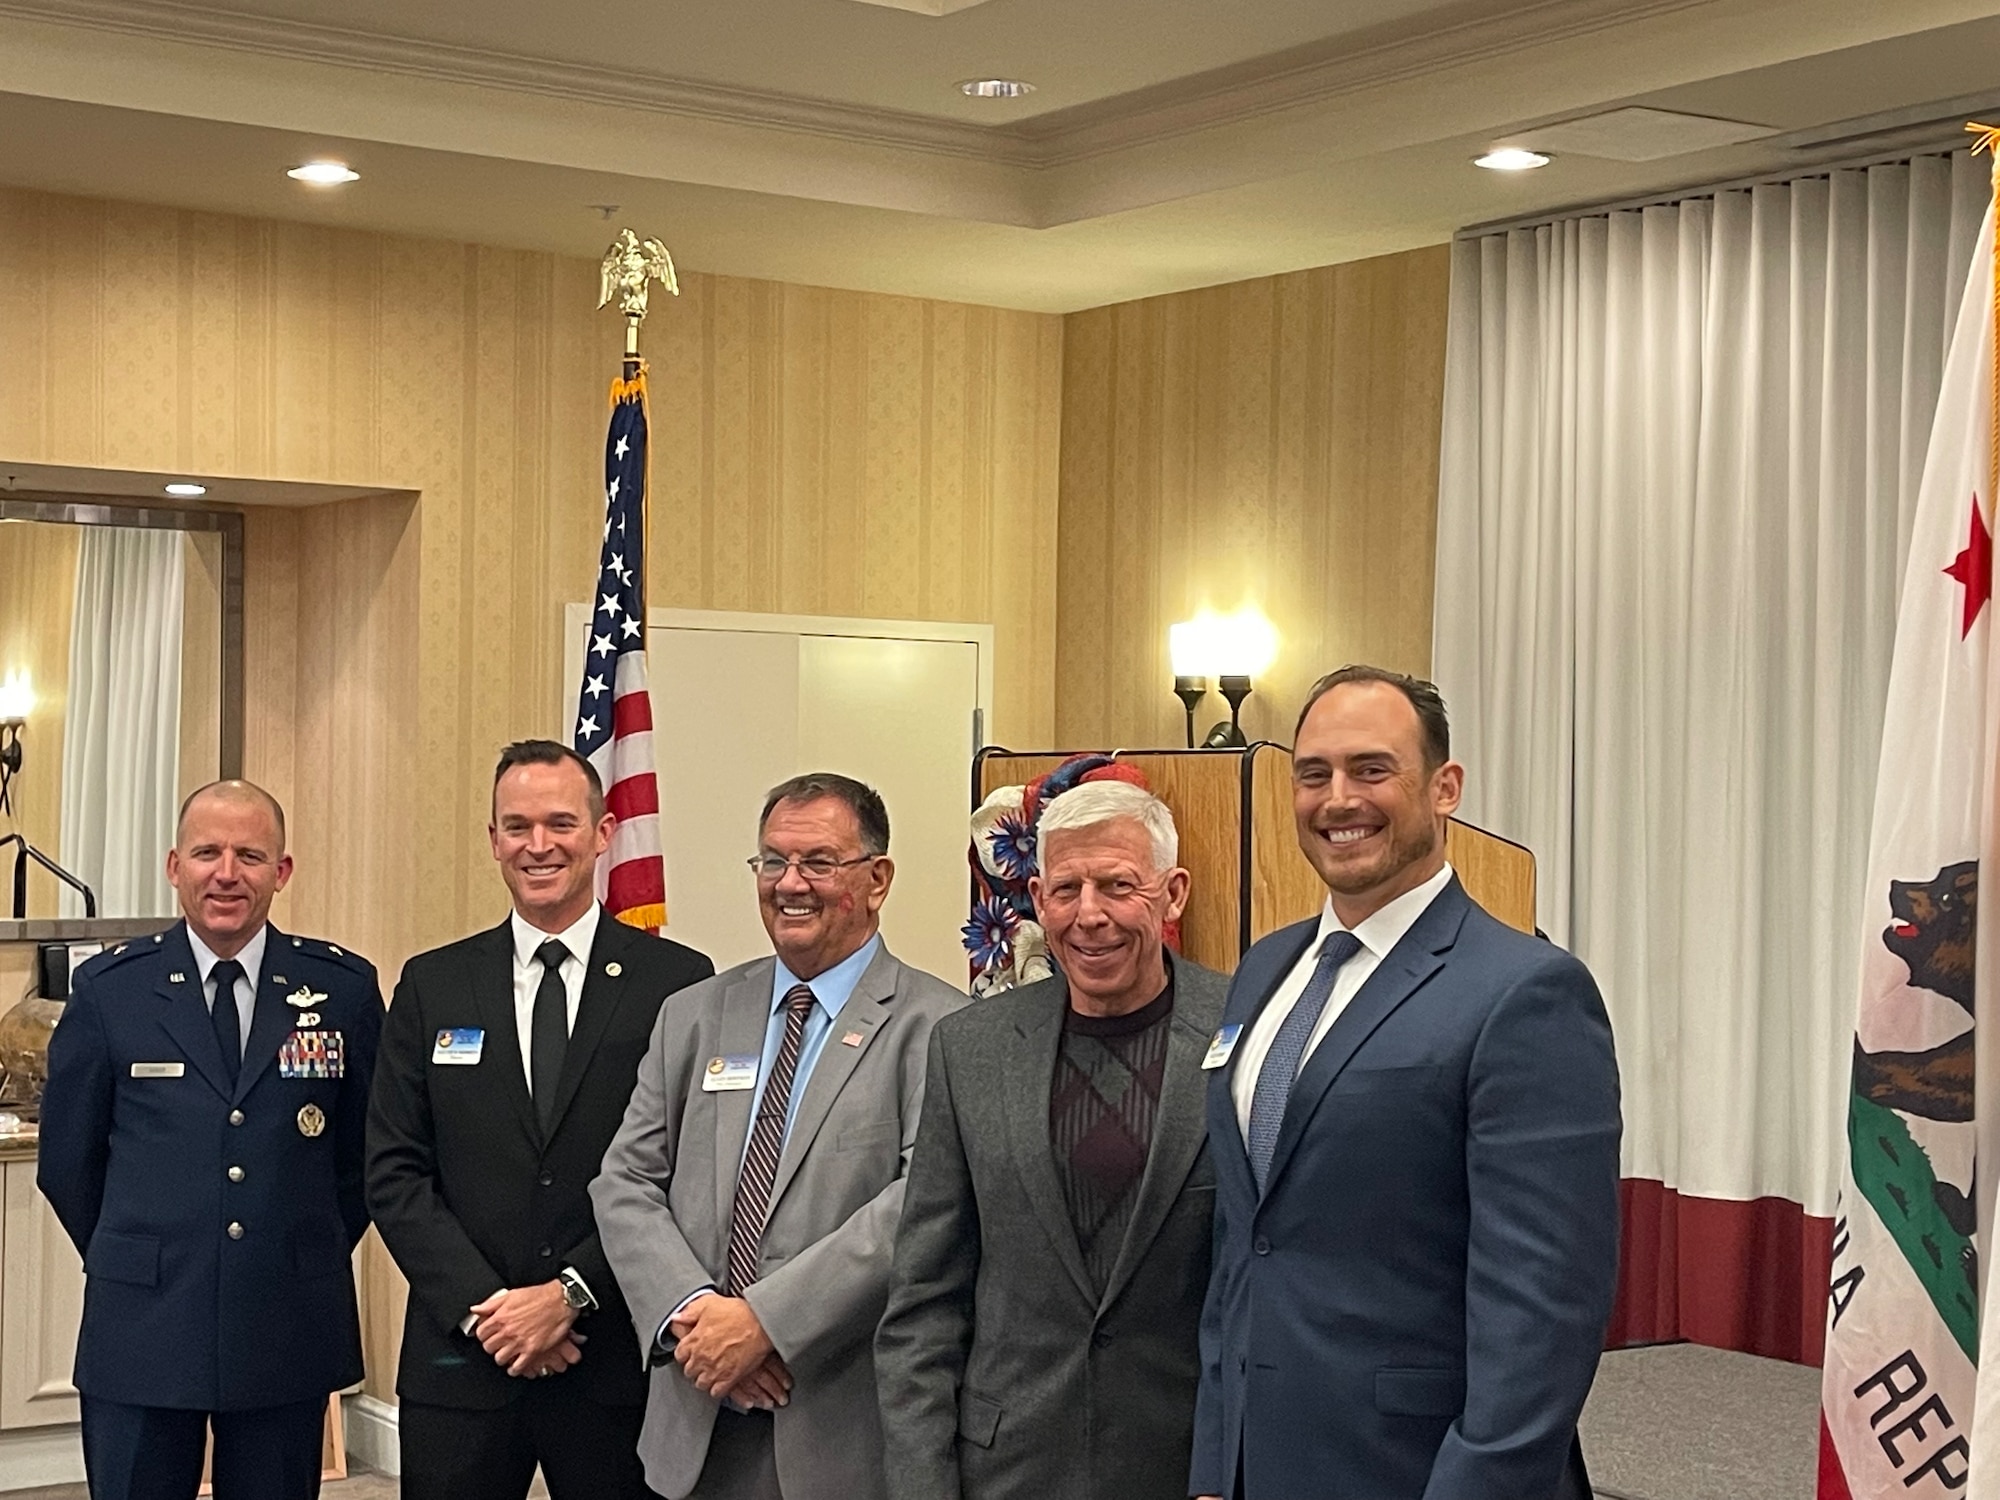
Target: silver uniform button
(235, 1174)
(236, 1231)
(236, 1117)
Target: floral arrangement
(1002, 937)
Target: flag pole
(630, 265)
(1989, 142)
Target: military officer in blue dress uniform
(201, 1142)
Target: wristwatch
(575, 1294)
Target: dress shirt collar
(577, 937)
(252, 956)
(831, 988)
(1380, 932)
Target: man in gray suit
(1040, 1341)
(748, 1203)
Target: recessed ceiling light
(324, 173)
(186, 491)
(1511, 159)
(995, 88)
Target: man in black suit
(507, 1061)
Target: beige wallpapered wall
(37, 592)
(1271, 442)
(815, 452)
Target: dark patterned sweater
(1102, 1107)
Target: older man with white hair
(1040, 1338)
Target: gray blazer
(1004, 1375)
(663, 1204)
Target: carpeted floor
(1681, 1422)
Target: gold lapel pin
(614, 970)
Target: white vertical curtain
(1681, 451)
(122, 723)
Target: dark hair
(863, 800)
(551, 753)
(1424, 698)
(234, 789)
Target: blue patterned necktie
(1288, 1052)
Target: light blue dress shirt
(830, 993)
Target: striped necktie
(767, 1140)
(1288, 1053)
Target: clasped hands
(722, 1347)
(529, 1330)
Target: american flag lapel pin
(852, 1039)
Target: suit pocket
(1356, 1080)
(978, 1419)
(1419, 1393)
(131, 1258)
(861, 1137)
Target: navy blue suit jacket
(136, 1159)
(1415, 1304)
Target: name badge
(1222, 1046)
(460, 1048)
(159, 1070)
(312, 1054)
(725, 1075)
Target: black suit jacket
(468, 1195)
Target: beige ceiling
(1170, 143)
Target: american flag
(614, 713)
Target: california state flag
(1900, 1407)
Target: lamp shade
(1239, 644)
(17, 697)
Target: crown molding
(313, 42)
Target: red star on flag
(1974, 569)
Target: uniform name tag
(1222, 1046)
(159, 1070)
(725, 1075)
(312, 1054)
(460, 1048)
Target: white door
(740, 702)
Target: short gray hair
(1094, 802)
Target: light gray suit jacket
(664, 1197)
(1005, 1374)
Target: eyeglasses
(813, 867)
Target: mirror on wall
(120, 656)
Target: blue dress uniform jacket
(215, 1222)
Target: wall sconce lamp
(17, 701)
(1232, 649)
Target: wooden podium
(1239, 842)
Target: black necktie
(549, 1037)
(228, 1027)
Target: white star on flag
(630, 627)
(609, 606)
(601, 644)
(595, 687)
(586, 728)
(622, 448)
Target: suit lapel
(1029, 1075)
(270, 1016)
(746, 1017)
(1247, 999)
(183, 1015)
(492, 977)
(867, 1008)
(603, 991)
(1178, 1132)
(1402, 972)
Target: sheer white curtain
(1681, 450)
(122, 724)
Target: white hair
(1093, 802)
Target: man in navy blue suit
(1414, 1119)
(201, 1142)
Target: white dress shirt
(252, 959)
(577, 937)
(1378, 934)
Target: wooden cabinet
(41, 1305)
